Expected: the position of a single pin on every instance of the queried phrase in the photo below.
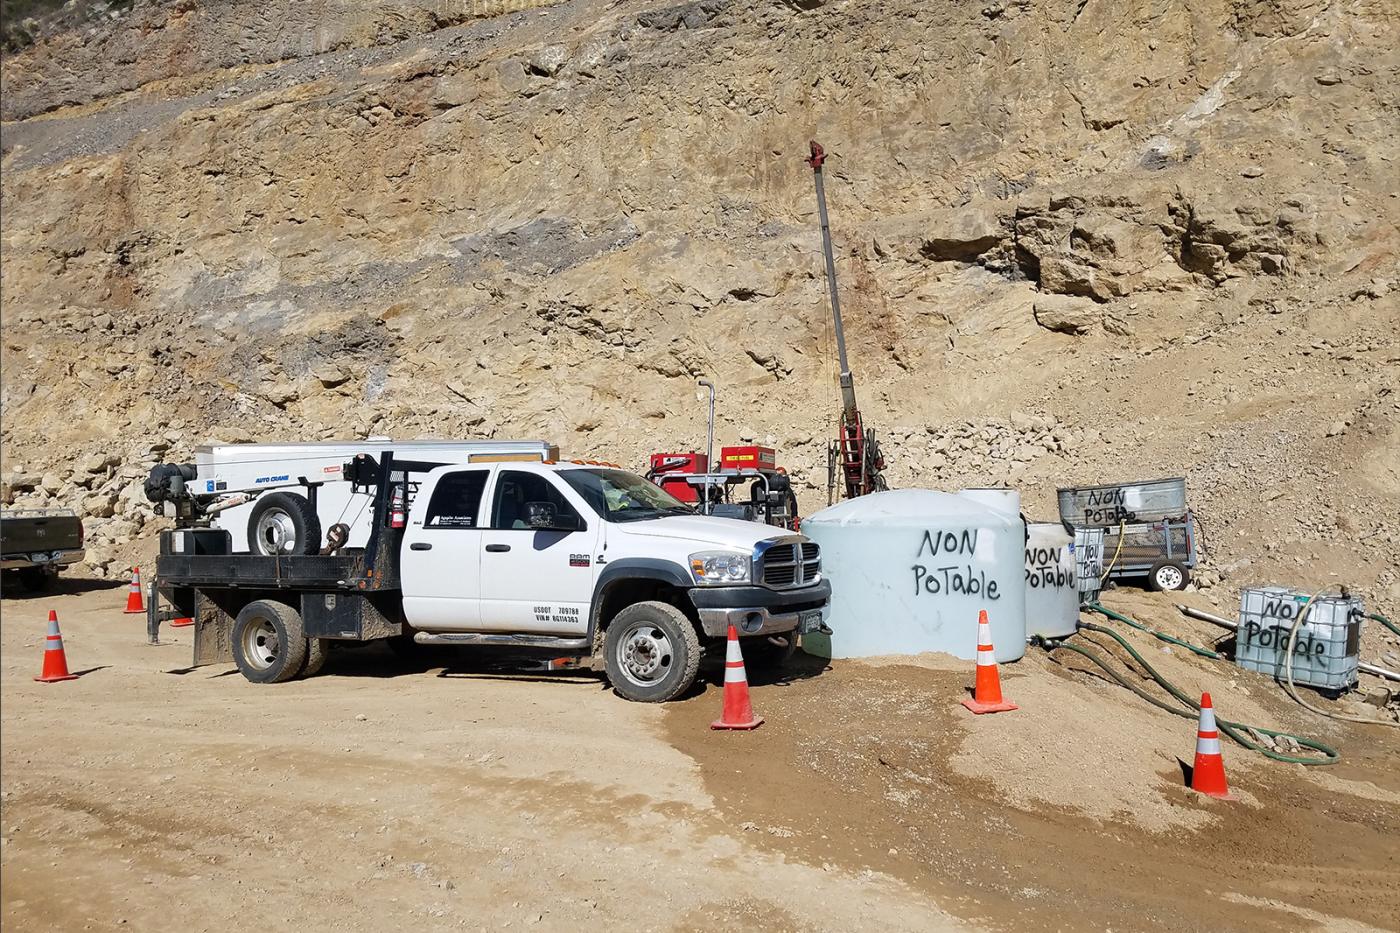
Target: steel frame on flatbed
(346, 596)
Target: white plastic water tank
(998, 497)
(910, 569)
(1052, 581)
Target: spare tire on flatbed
(284, 523)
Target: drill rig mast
(855, 453)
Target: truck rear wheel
(284, 523)
(37, 579)
(652, 652)
(269, 642)
(316, 651)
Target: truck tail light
(397, 516)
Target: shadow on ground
(63, 586)
(378, 659)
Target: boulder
(102, 505)
(24, 482)
(100, 463)
(1063, 276)
(281, 393)
(330, 375)
(547, 61)
(966, 233)
(1066, 315)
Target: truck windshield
(620, 496)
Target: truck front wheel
(652, 652)
(269, 642)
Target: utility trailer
(1149, 531)
(280, 498)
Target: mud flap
(213, 633)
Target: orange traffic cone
(182, 622)
(986, 694)
(134, 602)
(1208, 776)
(55, 661)
(738, 711)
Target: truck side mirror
(544, 516)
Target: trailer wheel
(1168, 575)
(284, 523)
(652, 652)
(316, 651)
(269, 642)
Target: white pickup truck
(566, 559)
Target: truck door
(440, 567)
(535, 580)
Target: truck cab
(563, 549)
(578, 559)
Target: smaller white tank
(1052, 581)
(998, 497)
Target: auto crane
(855, 452)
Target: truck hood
(702, 529)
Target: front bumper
(757, 610)
(40, 559)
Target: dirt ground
(147, 795)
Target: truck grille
(790, 565)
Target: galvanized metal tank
(911, 568)
(1052, 581)
(1123, 503)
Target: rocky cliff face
(1078, 241)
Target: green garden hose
(1231, 729)
(1377, 617)
(1104, 610)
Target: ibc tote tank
(911, 568)
(1052, 581)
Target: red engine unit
(748, 457)
(680, 463)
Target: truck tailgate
(28, 533)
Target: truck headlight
(718, 568)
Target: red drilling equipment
(855, 452)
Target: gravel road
(150, 796)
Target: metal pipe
(709, 441)
(1207, 617)
(1378, 671)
